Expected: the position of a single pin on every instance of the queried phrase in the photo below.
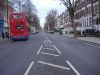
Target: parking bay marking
(49, 54)
(73, 68)
(29, 68)
(53, 65)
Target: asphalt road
(49, 54)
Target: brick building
(4, 16)
(8, 10)
(63, 22)
(87, 16)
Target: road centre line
(73, 68)
(57, 49)
(48, 49)
(91, 45)
(29, 68)
(39, 50)
(53, 65)
(50, 54)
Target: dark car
(88, 32)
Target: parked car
(51, 32)
(34, 32)
(89, 32)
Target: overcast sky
(44, 6)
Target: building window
(90, 21)
(83, 23)
(87, 22)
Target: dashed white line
(91, 45)
(29, 68)
(39, 50)
(57, 49)
(73, 68)
(48, 49)
(50, 54)
(53, 65)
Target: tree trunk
(99, 11)
(74, 28)
(71, 14)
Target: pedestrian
(3, 36)
(7, 35)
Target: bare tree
(46, 26)
(17, 4)
(71, 7)
(36, 22)
(51, 20)
(2, 4)
(99, 10)
(32, 17)
(28, 7)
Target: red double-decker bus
(18, 26)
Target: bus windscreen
(17, 16)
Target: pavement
(88, 39)
(0, 38)
(49, 54)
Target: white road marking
(47, 45)
(57, 49)
(44, 41)
(73, 68)
(39, 50)
(48, 49)
(53, 65)
(50, 54)
(29, 68)
(91, 45)
(50, 41)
